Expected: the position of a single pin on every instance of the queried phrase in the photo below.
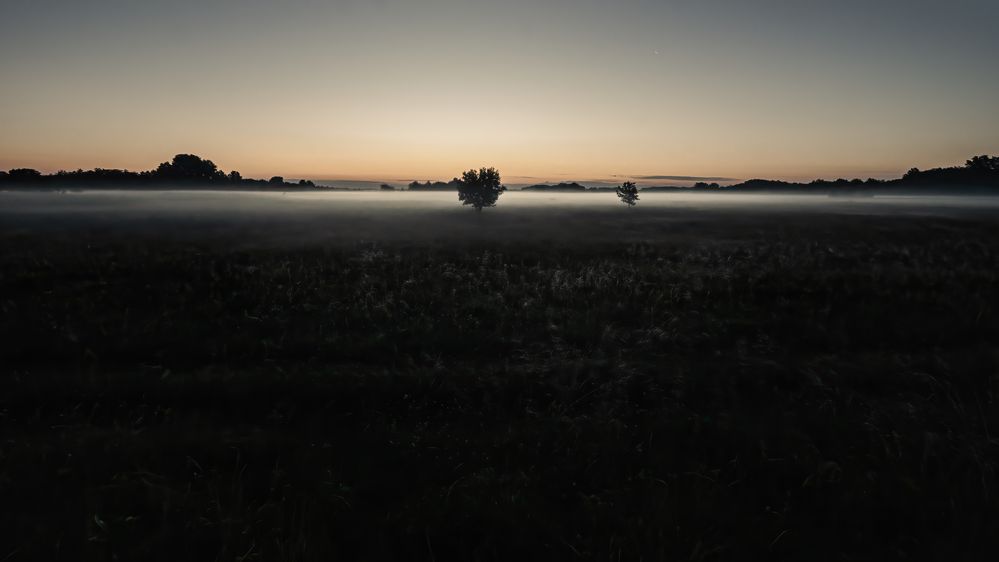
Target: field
(685, 382)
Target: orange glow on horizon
(424, 90)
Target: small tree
(480, 188)
(628, 193)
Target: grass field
(646, 384)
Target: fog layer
(330, 217)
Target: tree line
(481, 188)
(183, 170)
(978, 173)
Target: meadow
(198, 379)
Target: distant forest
(186, 170)
(435, 186)
(979, 174)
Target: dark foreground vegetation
(788, 390)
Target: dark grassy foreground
(788, 394)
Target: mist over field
(305, 218)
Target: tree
(189, 168)
(480, 188)
(24, 175)
(235, 177)
(387, 187)
(277, 180)
(628, 193)
(984, 163)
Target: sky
(544, 90)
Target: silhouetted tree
(480, 188)
(984, 163)
(189, 168)
(235, 177)
(387, 187)
(306, 183)
(628, 193)
(24, 175)
(27, 174)
(276, 180)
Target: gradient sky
(545, 89)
